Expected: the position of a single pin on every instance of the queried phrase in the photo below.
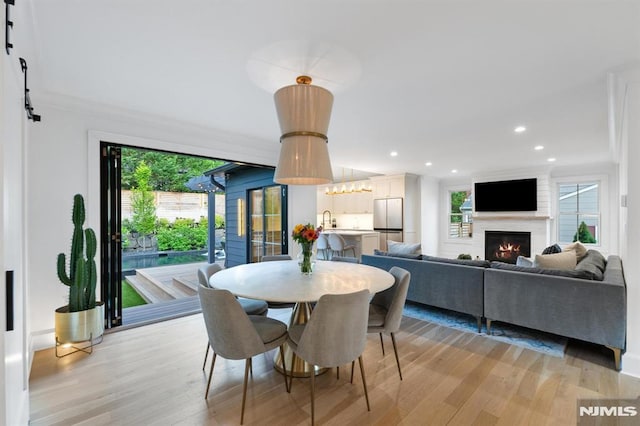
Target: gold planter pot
(77, 327)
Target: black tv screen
(506, 196)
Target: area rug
(549, 344)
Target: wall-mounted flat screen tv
(506, 196)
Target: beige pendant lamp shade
(303, 112)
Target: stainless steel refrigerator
(387, 220)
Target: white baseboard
(631, 364)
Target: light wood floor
(152, 375)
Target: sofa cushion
(524, 261)
(466, 262)
(566, 260)
(580, 250)
(552, 249)
(594, 263)
(403, 248)
(533, 270)
(400, 255)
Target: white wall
(430, 215)
(630, 222)
(14, 394)
(63, 158)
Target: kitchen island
(365, 241)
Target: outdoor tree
(584, 235)
(142, 201)
(169, 172)
(457, 199)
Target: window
(460, 210)
(579, 212)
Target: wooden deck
(171, 291)
(165, 283)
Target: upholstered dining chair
(336, 334)
(275, 258)
(385, 309)
(338, 245)
(322, 245)
(235, 335)
(250, 306)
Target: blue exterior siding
(238, 183)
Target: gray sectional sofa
(574, 304)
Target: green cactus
(82, 276)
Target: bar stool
(339, 246)
(322, 244)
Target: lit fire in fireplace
(507, 251)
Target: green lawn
(130, 297)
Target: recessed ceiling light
(519, 129)
(539, 148)
(428, 163)
(394, 153)
(454, 171)
(551, 160)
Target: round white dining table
(282, 281)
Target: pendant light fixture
(303, 112)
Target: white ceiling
(438, 81)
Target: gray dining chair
(322, 245)
(336, 334)
(339, 246)
(275, 258)
(235, 335)
(250, 306)
(386, 307)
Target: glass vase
(306, 258)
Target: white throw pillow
(565, 261)
(403, 248)
(524, 261)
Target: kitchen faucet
(324, 221)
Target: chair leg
(213, 362)
(313, 386)
(284, 368)
(293, 362)
(338, 373)
(247, 366)
(206, 355)
(364, 382)
(353, 366)
(382, 344)
(395, 349)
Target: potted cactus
(83, 318)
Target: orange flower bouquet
(306, 235)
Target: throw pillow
(399, 255)
(403, 248)
(524, 262)
(565, 260)
(578, 248)
(552, 249)
(585, 275)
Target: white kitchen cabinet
(407, 187)
(388, 186)
(323, 201)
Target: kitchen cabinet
(407, 187)
(388, 186)
(348, 203)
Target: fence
(172, 205)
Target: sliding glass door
(266, 222)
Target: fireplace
(505, 246)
